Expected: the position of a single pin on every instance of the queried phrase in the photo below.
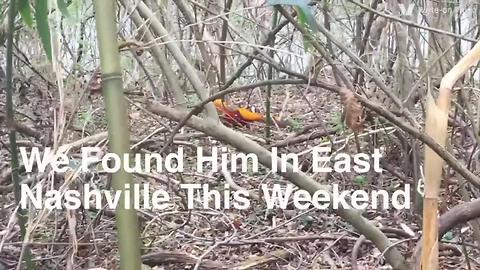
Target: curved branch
(237, 140)
(459, 214)
(377, 108)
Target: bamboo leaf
(302, 18)
(41, 17)
(74, 9)
(25, 12)
(305, 13)
(306, 17)
(63, 7)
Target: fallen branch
(22, 128)
(173, 257)
(458, 215)
(363, 225)
(266, 259)
(356, 251)
(166, 257)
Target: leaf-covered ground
(220, 239)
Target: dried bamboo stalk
(436, 125)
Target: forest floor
(258, 238)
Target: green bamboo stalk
(118, 130)
(21, 213)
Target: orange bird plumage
(237, 115)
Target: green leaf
(302, 18)
(288, 2)
(41, 17)
(336, 122)
(63, 7)
(361, 180)
(448, 236)
(305, 14)
(25, 12)
(307, 221)
(296, 124)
